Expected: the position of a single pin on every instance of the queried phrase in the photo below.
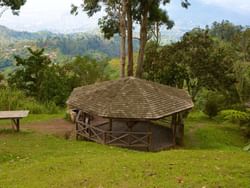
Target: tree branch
(2, 11)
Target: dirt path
(192, 139)
(57, 127)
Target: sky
(54, 15)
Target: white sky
(48, 15)
(54, 15)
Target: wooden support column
(77, 126)
(110, 124)
(130, 126)
(173, 125)
(110, 128)
(180, 129)
(149, 136)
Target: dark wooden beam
(173, 126)
(149, 136)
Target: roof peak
(130, 97)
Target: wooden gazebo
(103, 108)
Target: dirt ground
(57, 127)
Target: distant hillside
(58, 46)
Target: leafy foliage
(38, 77)
(86, 70)
(31, 72)
(13, 99)
(196, 62)
(14, 5)
(236, 116)
(213, 104)
(242, 118)
(225, 30)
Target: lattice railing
(114, 138)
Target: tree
(113, 22)
(129, 11)
(85, 70)
(196, 62)
(55, 86)
(163, 64)
(151, 12)
(242, 66)
(30, 72)
(1, 80)
(1, 77)
(122, 19)
(143, 12)
(14, 5)
(225, 30)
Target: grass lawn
(35, 118)
(212, 157)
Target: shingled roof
(130, 98)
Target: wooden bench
(15, 116)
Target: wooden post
(110, 127)
(130, 129)
(180, 129)
(77, 131)
(105, 138)
(76, 122)
(173, 125)
(149, 136)
(17, 125)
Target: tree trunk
(143, 40)
(123, 38)
(157, 30)
(130, 67)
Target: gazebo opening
(131, 113)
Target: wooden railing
(114, 138)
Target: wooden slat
(13, 114)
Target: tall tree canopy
(195, 62)
(14, 5)
(120, 17)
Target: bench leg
(17, 124)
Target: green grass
(205, 133)
(35, 118)
(212, 157)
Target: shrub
(214, 102)
(13, 99)
(236, 116)
(238, 107)
(242, 118)
(211, 108)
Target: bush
(236, 116)
(211, 109)
(214, 102)
(238, 107)
(13, 99)
(242, 118)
